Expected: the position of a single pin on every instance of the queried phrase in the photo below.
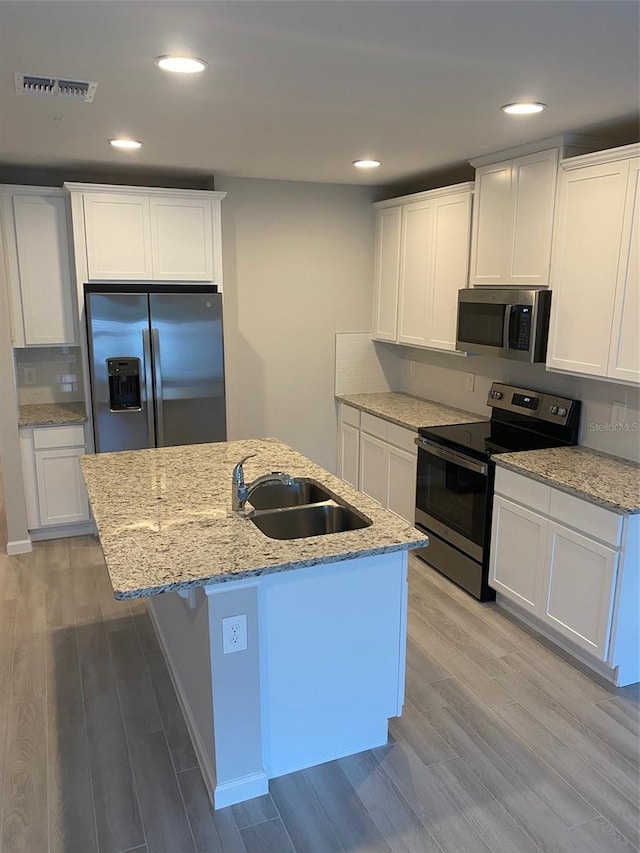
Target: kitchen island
(324, 616)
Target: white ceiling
(297, 90)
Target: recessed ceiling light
(523, 108)
(129, 144)
(181, 64)
(366, 164)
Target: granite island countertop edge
(165, 523)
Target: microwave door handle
(506, 332)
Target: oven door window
(481, 323)
(453, 495)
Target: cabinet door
(118, 235)
(416, 272)
(401, 493)
(624, 354)
(533, 185)
(349, 452)
(62, 497)
(29, 477)
(43, 253)
(374, 468)
(452, 220)
(489, 238)
(386, 273)
(579, 589)
(518, 541)
(584, 266)
(181, 239)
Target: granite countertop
(165, 522)
(408, 411)
(51, 414)
(597, 477)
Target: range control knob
(562, 411)
(554, 410)
(497, 395)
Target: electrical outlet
(469, 381)
(618, 413)
(412, 368)
(234, 634)
(29, 375)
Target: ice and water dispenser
(124, 384)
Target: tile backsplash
(443, 377)
(48, 374)
(363, 366)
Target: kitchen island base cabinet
(322, 673)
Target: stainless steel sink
(314, 520)
(277, 495)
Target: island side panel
(334, 641)
(183, 634)
(237, 702)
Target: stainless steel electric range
(454, 490)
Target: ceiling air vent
(36, 84)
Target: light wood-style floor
(502, 747)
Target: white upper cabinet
(624, 353)
(181, 241)
(595, 274)
(386, 273)
(513, 219)
(146, 234)
(37, 256)
(118, 232)
(422, 250)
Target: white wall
(298, 267)
(441, 377)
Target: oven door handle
(451, 456)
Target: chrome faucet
(241, 491)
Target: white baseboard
(572, 653)
(208, 773)
(19, 546)
(245, 788)
(62, 531)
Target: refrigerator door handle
(148, 385)
(157, 372)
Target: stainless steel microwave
(504, 322)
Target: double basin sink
(299, 509)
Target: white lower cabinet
(573, 567)
(54, 488)
(385, 465)
(579, 585)
(349, 444)
(518, 547)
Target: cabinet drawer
(522, 489)
(373, 425)
(60, 436)
(349, 415)
(596, 521)
(403, 438)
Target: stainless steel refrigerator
(157, 365)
